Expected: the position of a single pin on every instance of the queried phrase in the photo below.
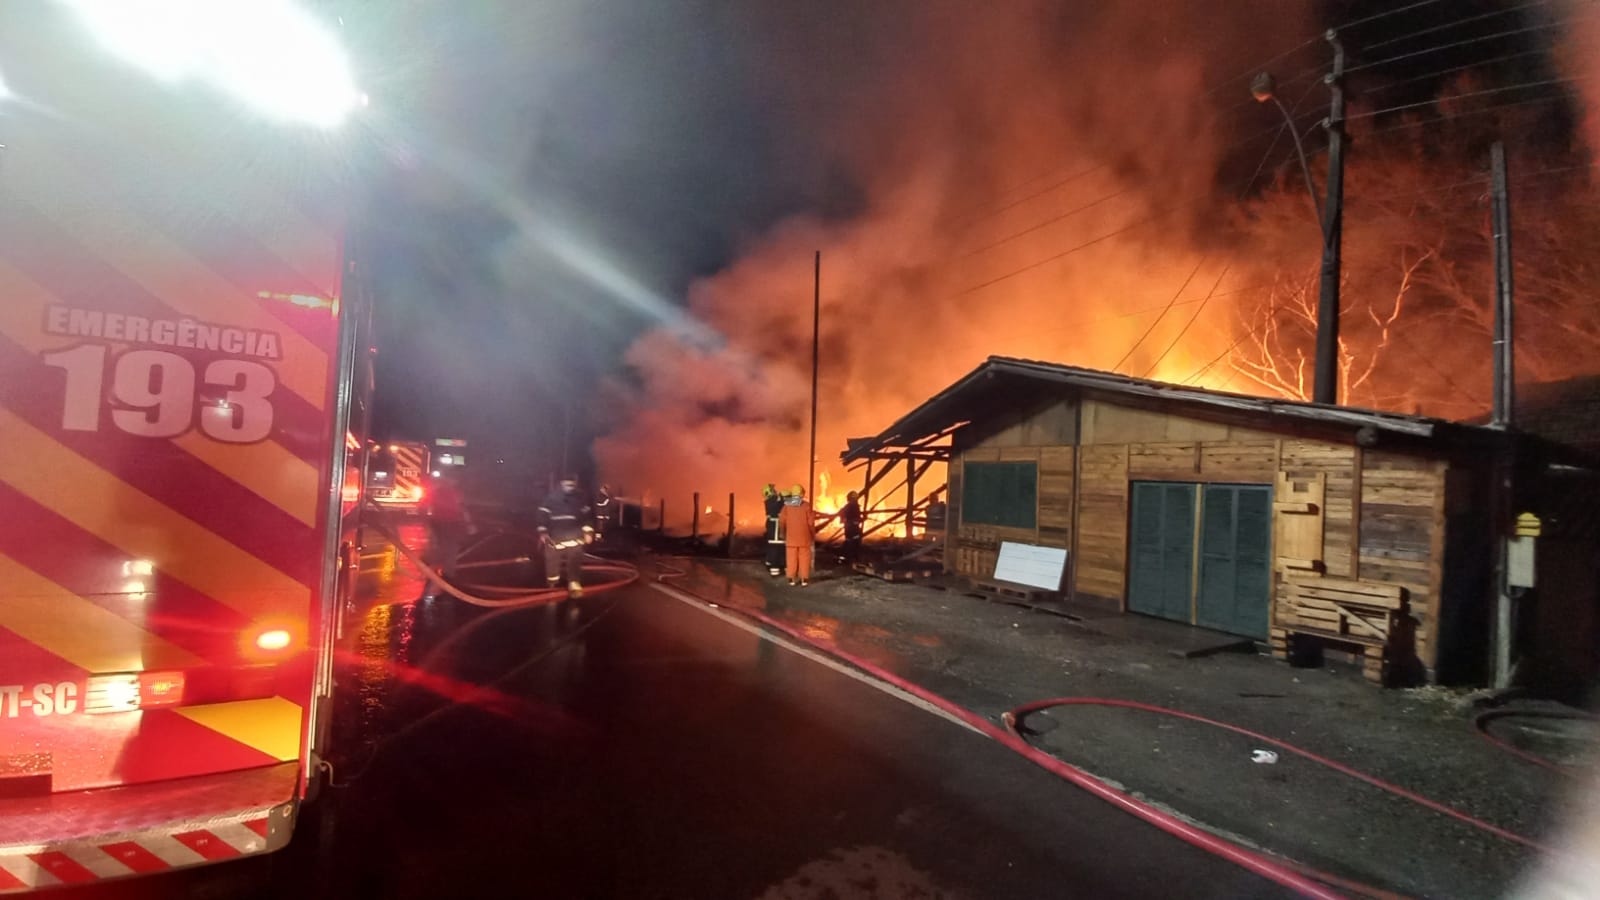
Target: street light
(1264, 87)
(1325, 384)
(271, 54)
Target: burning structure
(1308, 526)
(1068, 181)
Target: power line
(1462, 115)
(1386, 13)
(1286, 126)
(1135, 313)
(1089, 243)
(1483, 93)
(1039, 193)
(1047, 222)
(1250, 72)
(1276, 129)
(1075, 248)
(1218, 86)
(981, 213)
(1427, 359)
(1162, 213)
(1187, 325)
(1511, 32)
(1456, 24)
(1378, 89)
(1251, 333)
(1157, 320)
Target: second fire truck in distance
(397, 475)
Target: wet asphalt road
(630, 744)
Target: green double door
(1225, 530)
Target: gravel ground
(991, 657)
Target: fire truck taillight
(416, 492)
(111, 693)
(275, 639)
(128, 691)
(160, 689)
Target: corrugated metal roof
(984, 392)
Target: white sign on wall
(1040, 567)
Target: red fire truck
(179, 389)
(397, 475)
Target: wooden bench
(1367, 616)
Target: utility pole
(1504, 345)
(1325, 387)
(816, 356)
(1502, 416)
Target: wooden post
(1502, 416)
(730, 523)
(816, 356)
(911, 496)
(694, 521)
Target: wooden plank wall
(1401, 535)
(1103, 521)
(978, 546)
(1107, 470)
(1383, 513)
(1337, 464)
(1055, 496)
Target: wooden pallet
(1353, 615)
(1014, 592)
(909, 570)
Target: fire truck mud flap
(145, 829)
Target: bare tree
(1416, 314)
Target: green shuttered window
(1000, 493)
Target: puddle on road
(869, 642)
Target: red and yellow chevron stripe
(170, 317)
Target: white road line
(815, 656)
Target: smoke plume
(1026, 178)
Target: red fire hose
(1257, 863)
(1481, 724)
(625, 574)
(1306, 880)
(1012, 718)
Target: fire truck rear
(179, 393)
(398, 474)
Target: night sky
(556, 174)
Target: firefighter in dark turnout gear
(775, 549)
(850, 516)
(605, 511)
(449, 523)
(565, 528)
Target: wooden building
(1311, 528)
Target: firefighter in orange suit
(798, 537)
